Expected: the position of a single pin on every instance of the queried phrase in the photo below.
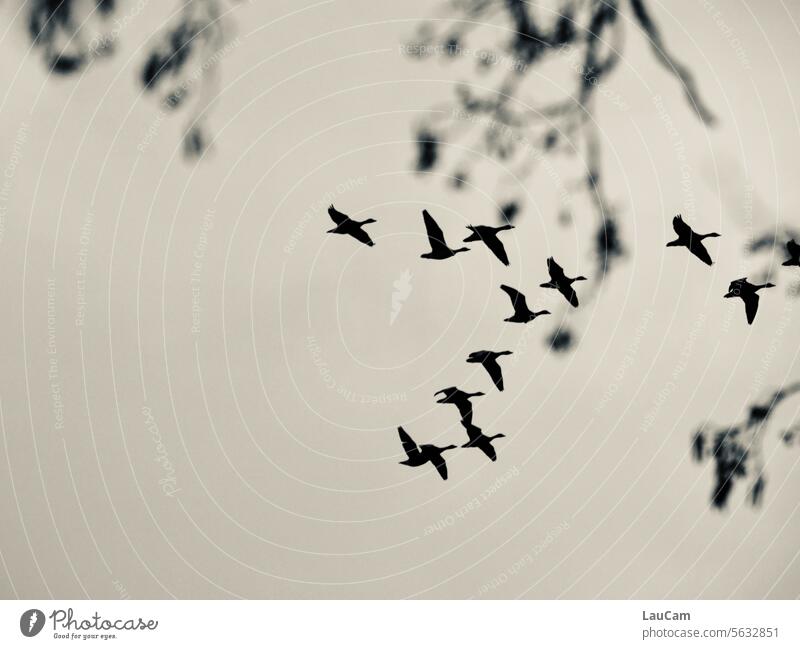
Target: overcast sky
(201, 388)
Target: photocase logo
(31, 622)
(402, 289)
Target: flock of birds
(419, 455)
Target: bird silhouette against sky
(521, 311)
(346, 225)
(691, 240)
(748, 292)
(488, 234)
(794, 253)
(439, 247)
(478, 440)
(489, 361)
(460, 399)
(419, 455)
(562, 283)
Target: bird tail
(548, 285)
(677, 242)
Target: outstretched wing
(336, 216)
(473, 432)
(361, 235)
(440, 465)
(699, 250)
(493, 368)
(568, 292)
(488, 449)
(681, 229)
(750, 306)
(517, 299)
(447, 392)
(464, 409)
(496, 246)
(556, 272)
(409, 446)
(435, 234)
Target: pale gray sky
(287, 484)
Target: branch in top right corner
(668, 61)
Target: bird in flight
(419, 455)
(748, 292)
(346, 225)
(521, 311)
(439, 247)
(794, 253)
(488, 235)
(460, 399)
(691, 240)
(489, 361)
(562, 283)
(478, 440)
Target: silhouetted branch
(668, 61)
(182, 61)
(736, 450)
(589, 34)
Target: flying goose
(521, 311)
(488, 235)
(748, 292)
(346, 225)
(489, 361)
(562, 283)
(419, 455)
(439, 247)
(460, 399)
(478, 440)
(691, 240)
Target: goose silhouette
(562, 283)
(419, 455)
(478, 440)
(688, 238)
(794, 253)
(521, 311)
(748, 292)
(488, 235)
(346, 225)
(489, 361)
(460, 399)
(439, 247)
